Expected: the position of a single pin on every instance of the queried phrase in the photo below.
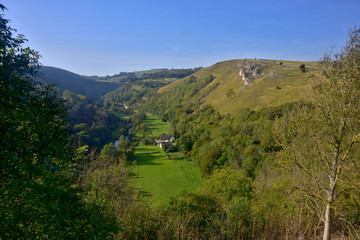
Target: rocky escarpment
(249, 72)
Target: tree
(38, 164)
(302, 67)
(323, 138)
(211, 160)
(143, 129)
(230, 93)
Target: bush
(148, 141)
(172, 148)
(302, 67)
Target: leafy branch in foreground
(322, 140)
(38, 164)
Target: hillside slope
(276, 83)
(66, 80)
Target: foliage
(219, 209)
(230, 93)
(90, 123)
(228, 183)
(151, 74)
(159, 178)
(38, 164)
(105, 178)
(143, 129)
(254, 187)
(321, 142)
(138, 86)
(65, 80)
(302, 67)
(211, 160)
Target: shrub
(302, 67)
(148, 141)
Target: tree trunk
(327, 222)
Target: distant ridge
(66, 80)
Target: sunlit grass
(277, 84)
(157, 126)
(156, 177)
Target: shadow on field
(145, 150)
(148, 159)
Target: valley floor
(155, 176)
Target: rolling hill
(66, 80)
(95, 87)
(275, 83)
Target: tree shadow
(148, 160)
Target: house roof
(165, 137)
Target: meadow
(155, 176)
(156, 126)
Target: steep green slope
(66, 80)
(140, 85)
(277, 83)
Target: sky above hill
(100, 37)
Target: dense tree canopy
(299, 185)
(38, 163)
(323, 140)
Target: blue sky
(106, 36)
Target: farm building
(165, 141)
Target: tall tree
(324, 138)
(37, 163)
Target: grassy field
(157, 127)
(157, 177)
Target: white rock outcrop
(249, 72)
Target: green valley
(243, 149)
(159, 178)
(156, 176)
(156, 126)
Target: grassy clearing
(157, 127)
(120, 115)
(156, 177)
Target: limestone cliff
(249, 72)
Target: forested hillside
(65, 80)
(276, 144)
(140, 85)
(95, 105)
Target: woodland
(290, 171)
